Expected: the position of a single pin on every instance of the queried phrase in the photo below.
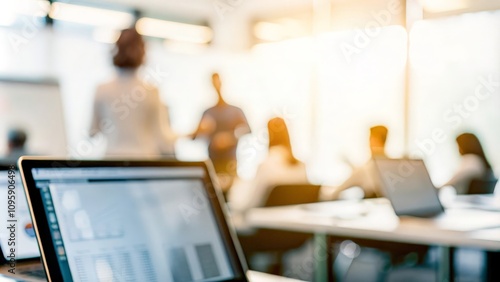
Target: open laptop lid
(24, 243)
(131, 221)
(408, 186)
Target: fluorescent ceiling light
(174, 30)
(91, 16)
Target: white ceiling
(232, 19)
(210, 9)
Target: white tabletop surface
(375, 219)
(254, 276)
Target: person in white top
(128, 111)
(279, 168)
(473, 165)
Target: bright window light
(106, 35)
(10, 12)
(91, 16)
(7, 18)
(438, 6)
(281, 29)
(174, 30)
(184, 47)
(269, 31)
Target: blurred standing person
(222, 125)
(279, 168)
(473, 166)
(128, 111)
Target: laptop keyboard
(38, 273)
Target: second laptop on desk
(407, 184)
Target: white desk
(254, 276)
(376, 221)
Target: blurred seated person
(365, 176)
(279, 168)
(16, 145)
(473, 165)
(128, 111)
(222, 125)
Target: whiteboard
(36, 107)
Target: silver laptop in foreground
(130, 221)
(408, 186)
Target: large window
(455, 72)
(356, 92)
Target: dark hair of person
(279, 136)
(468, 143)
(17, 137)
(379, 132)
(130, 49)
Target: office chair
(482, 186)
(276, 241)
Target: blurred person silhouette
(279, 168)
(16, 145)
(473, 165)
(128, 111)
(222, 125)
(364, 176)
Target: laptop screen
(409, 187)
(25, 242)
(133, 224)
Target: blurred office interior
(428, 70)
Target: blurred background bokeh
(428, 70)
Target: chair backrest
(481, 186)
(269, 240)
(282, 195)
